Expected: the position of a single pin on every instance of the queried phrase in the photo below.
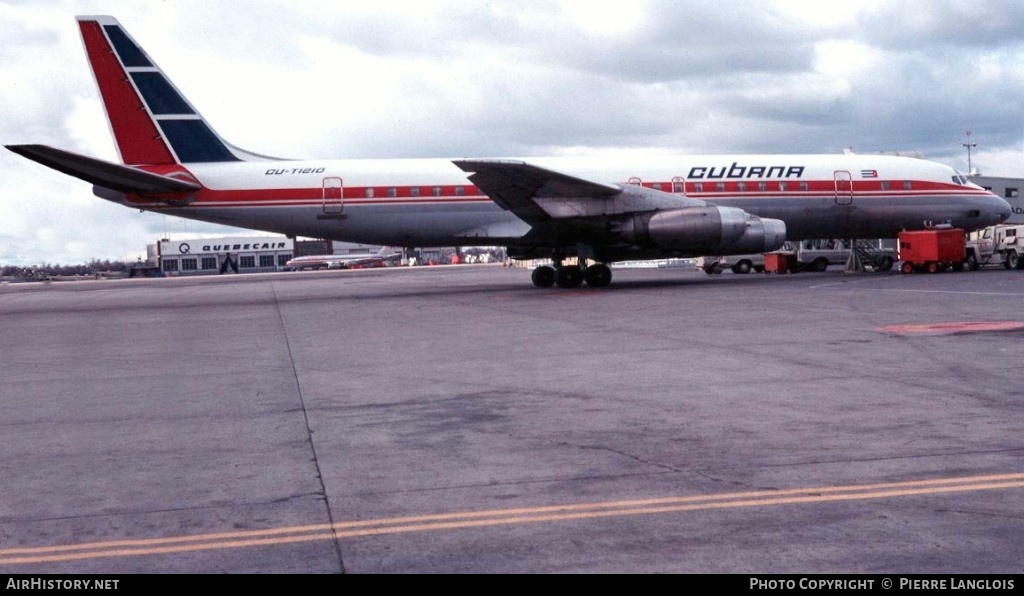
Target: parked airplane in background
(385, 256)
(598, 209)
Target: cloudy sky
(525, 77)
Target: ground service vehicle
(997, 245)
(932, 250)
(810, 255)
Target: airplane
(385, 256)
(599, 210)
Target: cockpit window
(960, 179)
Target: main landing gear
(571, 276)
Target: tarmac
(458, 419)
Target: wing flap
(104, 173)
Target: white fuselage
(429, 202)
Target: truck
(995, 245)
(811, 255)
(737, 263)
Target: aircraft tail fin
(152, 122)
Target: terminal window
(170, 264)
(248, 262)
(209, 262)
(266, 260)
(189, 264)
(1011, 193)
(282, 260)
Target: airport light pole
(969, 145)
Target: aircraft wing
(104, 173)
(515, 185)
(539, 196)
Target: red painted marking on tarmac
(952, 327)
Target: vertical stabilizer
(150, 119)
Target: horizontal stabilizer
(104, 173)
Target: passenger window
(720, 186)
(460, 190)
(698, 187)
(742, 186)
(803, 186)
(762, 186)
(392, 192)
(436, 191)
(656, 186)
(906, 185)
(782, 186)
(677, 187)
(369, 193)
(885, 185)
(414, 191)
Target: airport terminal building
(207, 256)
(236, 254)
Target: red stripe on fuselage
(138, 140)
(391, 195)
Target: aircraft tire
(543, 276)
(597, 276)
(742, 267)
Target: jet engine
(704, 230)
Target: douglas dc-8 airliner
(600, 210)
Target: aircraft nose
(1001, 208)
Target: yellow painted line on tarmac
(500, 517)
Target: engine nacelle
(704, 230)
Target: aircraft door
(844, 187)
(333, 195)
(678, 185)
